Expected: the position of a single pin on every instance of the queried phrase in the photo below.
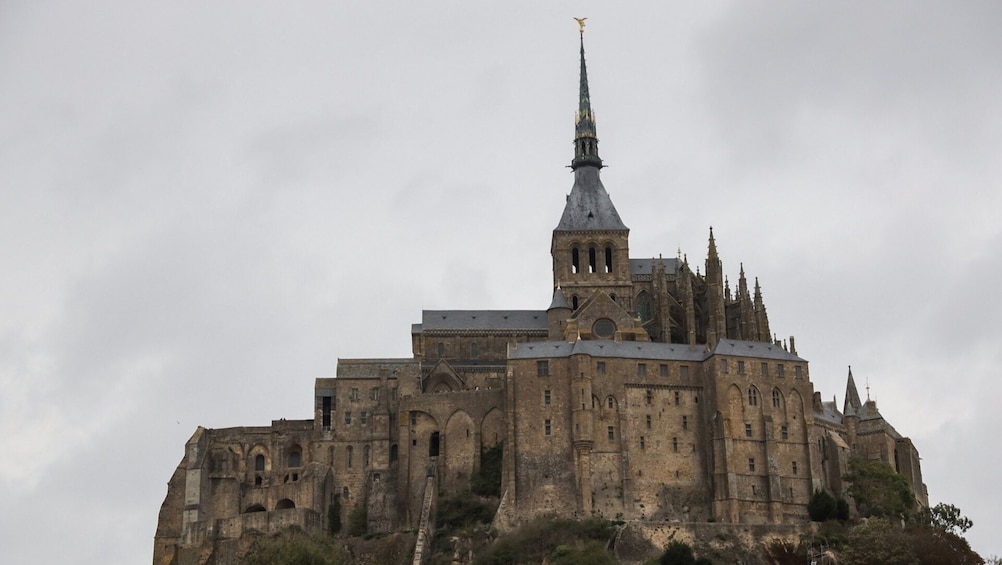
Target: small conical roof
(559, 300)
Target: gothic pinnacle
(585, 138)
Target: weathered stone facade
(646, 391)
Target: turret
(717, 327)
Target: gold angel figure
(581, 22)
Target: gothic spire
(585, 139)
(852, 402)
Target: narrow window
(433, 445)
(648, 421)
(295, 458)
(748, 430)
(591, 260)
(780, 370)
(794, 467)
(775, 398)
(610, 403)
(684, 372)
(752, 396)
(741, 367)
(326, 411)
(441, 349)
(546, 396)
(347, 418)
(413, 418)
(765, 369)
(678, 398)
(641, 369)
(354, 395)
(546, 426)
(542, 368)
(685, 423)
(349, 455)
(650, 398)
(344, 493)
(674, 444)
(751, 464)
(364, 419)
(608, 259)
(574, 302)
(366, 452)
(259, 462)
(784, 432)
(575, 261)
(600, 367)
(393, 393)
(663, 370)
(394, 452)
(612, 433)
(643, 444)
(797, 372)
(374, 394)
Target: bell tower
(590, 245)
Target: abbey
(647, 390)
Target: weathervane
(581, 22)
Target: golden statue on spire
(581, 23)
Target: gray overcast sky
(205, 204)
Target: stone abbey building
(645, 391)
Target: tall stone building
(645, 391)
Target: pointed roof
(852, 402)
(559, 300)
(588, 205)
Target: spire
(588, 206)
(852, 402)
(585, 139)
(712, 254)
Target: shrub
(334, 516)
(677, 553)
(540, 538)
(462, 510)
(294, 549)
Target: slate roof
(754, 349)
(588, 205)
(609, 349)
(829, 413)
(559, 300)
(646, 266)
(481, 320)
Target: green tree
(822, 506)
(486, 481)
(358, 520)
(946, 517)
(935, 546)
(878, 490)
(879, 541)
(334, 516)
(677, 553)
(294, 549)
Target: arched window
(393, 452)
(365, 456)
(752, 396)
(295, 457)
(645, 306)
(775, 398)
(441, 349)
(259, 462)
(254, 508)
(575, 261)
(285, 504)
(608, 259)
(592, 259)
(349, 452)
(574, 302)
(433, 445)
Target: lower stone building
(645, 391)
